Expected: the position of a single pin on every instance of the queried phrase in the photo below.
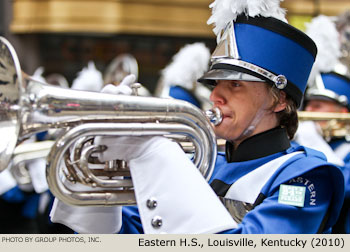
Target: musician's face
(317, 105)
(240, 102)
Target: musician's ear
(282, 102)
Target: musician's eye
(235, 84)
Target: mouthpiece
(214, 115)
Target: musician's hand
(160, 170)
(122, 88)
(128, 147)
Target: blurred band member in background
(328, 91)
(120, 67)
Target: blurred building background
(63, 35)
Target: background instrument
(335, 124)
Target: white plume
(323, 32)
(89, 79)
(223, 11)
(187, 66)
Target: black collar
(257, 146)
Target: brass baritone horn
(323, 116)
(28, 107)
(337, 124)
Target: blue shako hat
(328, 79)
(263, 49)
(331, 86)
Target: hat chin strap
(254, 122)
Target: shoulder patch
(292, 195)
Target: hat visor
(211, 76)
(326, 94)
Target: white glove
(308, 135)
(122, 88)
(125, 147)
(37, 171)
(160, 170)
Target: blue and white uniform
(341, 148)
(181, 93)
(306, 168)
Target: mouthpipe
(214, 115)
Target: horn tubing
(112, 129)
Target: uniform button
(157, 222)
(152, 203)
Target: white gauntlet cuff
(87, 220)
(172, 195)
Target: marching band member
(258, 73)
(179, 78)
(343, 26)
(328, 91)
(120, 67)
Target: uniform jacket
(323, 183)
(341, 148)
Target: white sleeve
(172, 195)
